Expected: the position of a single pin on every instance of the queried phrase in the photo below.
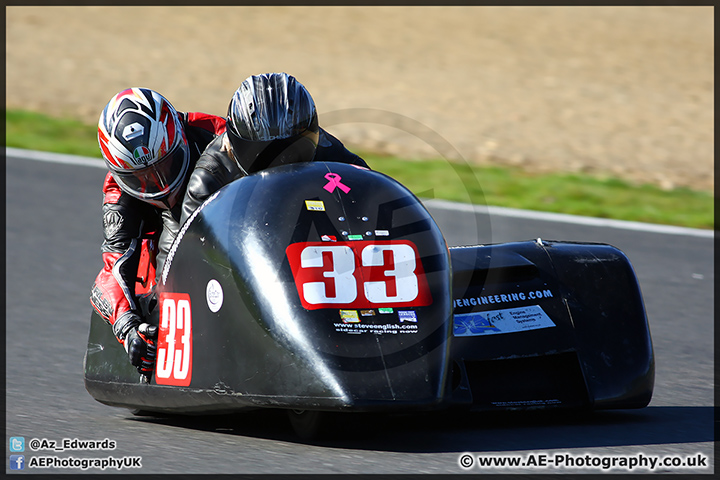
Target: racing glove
(139, 340)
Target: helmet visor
(254, 156)
(157, 180)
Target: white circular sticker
(214, 295)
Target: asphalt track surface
(53, 235)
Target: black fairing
(263, 346)
(327, 286)
(594, 350)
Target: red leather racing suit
(133, 229)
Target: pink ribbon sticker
(334, 181)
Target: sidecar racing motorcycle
(325, 287)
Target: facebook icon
(17, 462)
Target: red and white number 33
(174, 347)
(360, 274)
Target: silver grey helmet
(272, 121)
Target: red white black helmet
(143, 142)
(272, 121)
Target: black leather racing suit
(215, 168)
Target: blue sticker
(510, 320)
(472, 324)
(407, 315)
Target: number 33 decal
(358, 274)
(174, 347)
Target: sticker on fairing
(174, 346)
(315, 205)
(214, 295)
(510, 320)
(334, 182)
(349, 316)
(358, 274)
(372, 329)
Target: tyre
(311, 424)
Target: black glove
(139, 341)
(142, 348)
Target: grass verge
(500, 186)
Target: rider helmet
(272, 121)
(143, 142)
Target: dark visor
(256, 156)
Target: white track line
(439, 204)
(565, 218)
(54, 157)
